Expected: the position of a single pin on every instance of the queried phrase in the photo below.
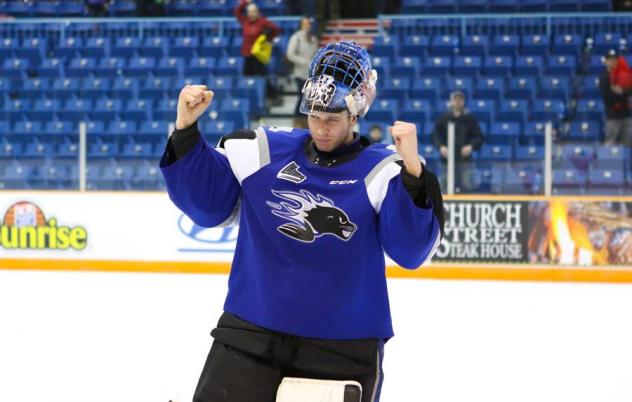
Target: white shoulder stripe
(246, 156)
(377, 180)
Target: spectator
(300, 51)
(376, 135)
(97, 8)
(617, 105)
(253, 25)
(467, 138)
(150, 8)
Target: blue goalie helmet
(340, 78)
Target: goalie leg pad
(311, 390)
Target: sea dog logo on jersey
(311, 216)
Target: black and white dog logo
(311, 216)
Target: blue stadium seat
(414, 45)
(561, 65)
(69, 48)
(554, 88)
(611, 157)
(416, 111)
(140, 66)
(128, 46)
(548, 110)
(528, 66)
(35, 88)
(533, 45)
(96, 47)
(230, 66)
(199, 66)
(33, 49)
(15, 109)
(154, 46)
(483, 110)
(489, 88)
(81, 67)
(606, 181)
(534, 132)
(215, 47)
(505, 128)
(505, 45)
(234, 50)
(384, 111)
(590, 87)
(27, 128)
(94, 87)
(467, 65)
(75, 109)
(569, 181)
(126, 88)
(120, 128)
(36, 149)
(66, 88)
(15, 68)
(184, 46)
(155, 128)
(513, 110)
(436, 66)
(45, 109)
(137, 109)
(605, 41)
(405, 67)
(464, 85)
(107, 109)
(235, 110)
(51, 68)
(166, 110)
(530, 152)
(385, 46)
(498, 65)
(137, 150)
(59, 129)
(253, 89)
(564, 6)
(382, 66)
(109, 67)
(495, 153)
(590, 109)
(585, 130)
(8, 46)
(217, 128)
(10, 150)
(95, 130)
(444, 45)
(426, 88)
(395, 88)
(568, 44)
(474, 45)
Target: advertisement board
(557, 238)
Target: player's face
(331, 130)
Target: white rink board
(124, 226)
(103, 337)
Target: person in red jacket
(253, 25)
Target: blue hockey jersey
(309, 259)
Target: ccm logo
(342, 181)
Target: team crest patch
(290, 173)
(310, 216)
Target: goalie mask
(340, 78)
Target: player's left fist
(405, 140)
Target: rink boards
(486, 237)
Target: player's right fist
(192, 102)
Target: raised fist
(192, 102)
